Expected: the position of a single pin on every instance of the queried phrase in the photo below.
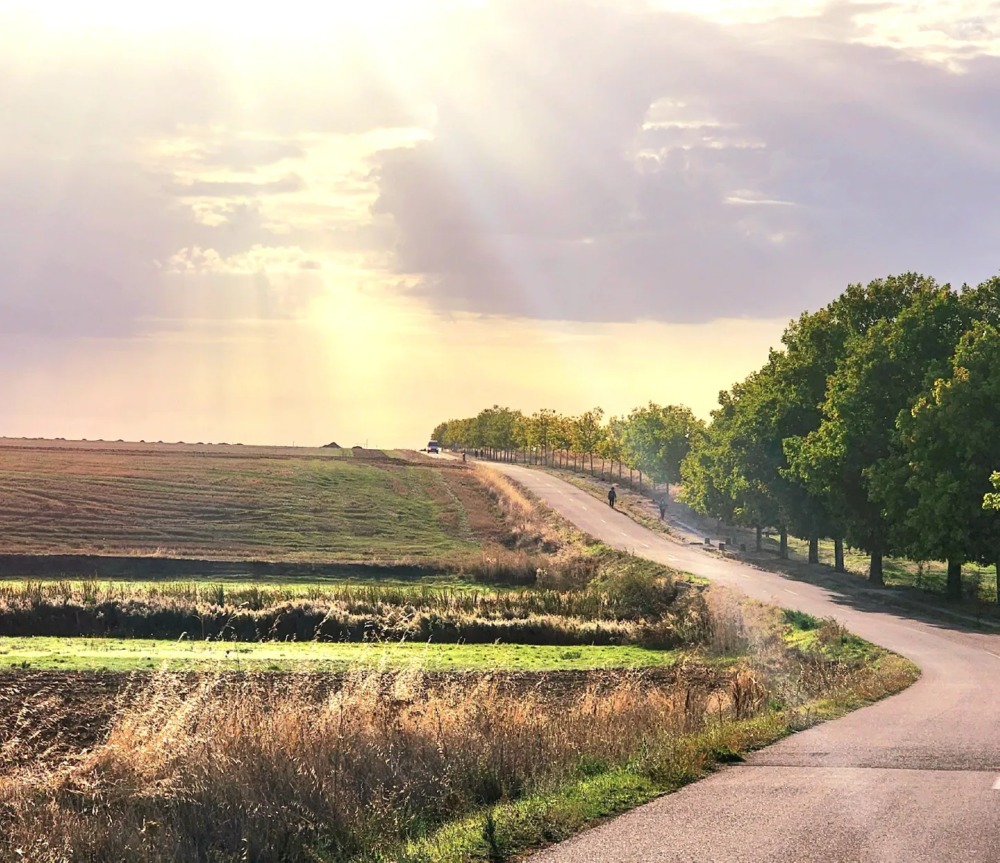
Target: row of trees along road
(653, 440)
(875, 424)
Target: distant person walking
(663, 507)
(611, 497)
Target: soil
(130, 568)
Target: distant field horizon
(120, 443)
(235, 502)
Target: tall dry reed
(270, 770)
(525, 520)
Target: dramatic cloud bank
(657, 166)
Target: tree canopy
(875, 422)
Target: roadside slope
(910, 778)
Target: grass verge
(508, 831)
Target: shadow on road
(849, 590)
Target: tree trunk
(875, 567)
(954, 579)
(783, 553)
(838, 555)
(759, 538)
(814, 549)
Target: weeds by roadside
(390, 767)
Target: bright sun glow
(288, 19)
(732, 11)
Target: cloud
(93, 195)
(77, 245)
(248, 154)
(555, 160)
(624, 165)
(237, 189)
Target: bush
(632, 593)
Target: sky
(277, 223)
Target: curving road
(913, 778)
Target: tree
(587, 433)
(706, 469)
(658, 438)
(540, 428)
(728, 473)
(813, 345)
(498, 427)
(900, 333)
(561, 432)
(991, 500)
(983, 301)
(948, 447)
(611, 446)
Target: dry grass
(728, 632)
(275, 769)
(613, 599)
(527, 523)
(262, 770)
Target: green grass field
(111, 654)
(237, 503)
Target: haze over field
(302, 224)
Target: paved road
(910, 779)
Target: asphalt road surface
(913, 778)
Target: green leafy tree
(561, 433)
(727, 473)
(948, 447)
(497, 428)
(740, 470)
(541, 430)
(991, 500)
(611, 446)
(658, 438)
(705, 470)
(900, 333)
(587, 433)
(983, 301)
